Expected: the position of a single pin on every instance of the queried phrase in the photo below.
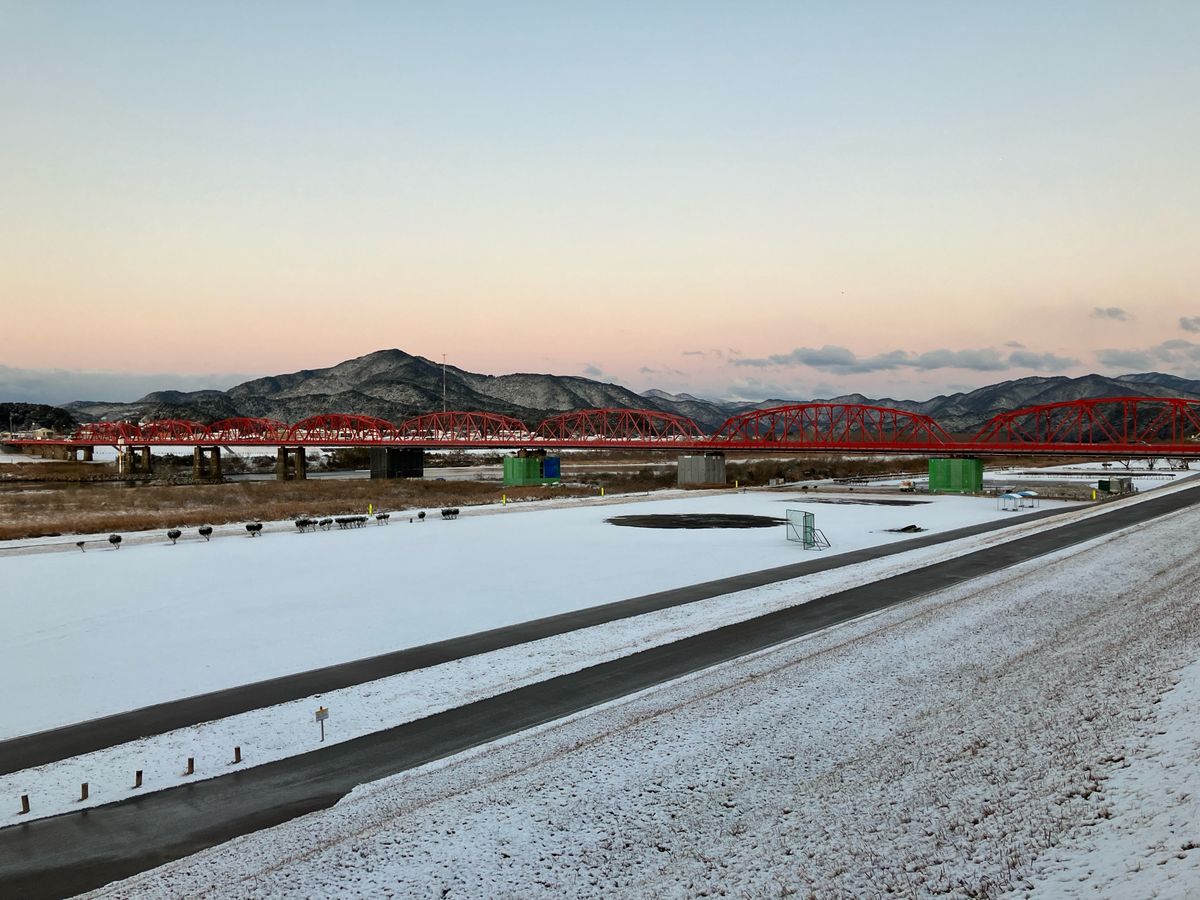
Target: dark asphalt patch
(696, 520)
(846, 501)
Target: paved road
(75, 852)
(85, 737)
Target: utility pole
(443, 384)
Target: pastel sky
(750, 200)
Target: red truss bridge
(1118, 427)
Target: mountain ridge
(395, 385)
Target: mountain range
(395, 385)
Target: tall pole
(443, 384)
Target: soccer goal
(802, 528)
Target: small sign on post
(322, 715)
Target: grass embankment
(91, 509)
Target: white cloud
(842, 360)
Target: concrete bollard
(137, 779)
(191, 769)
(237, 755)
(24, 804)
(83, 792)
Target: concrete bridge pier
(132, 460)
(397, 462)
(695, 469)
(290, 462)
(206, 463)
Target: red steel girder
(463, 427)
(645, 425)
(1097, 420)
(108, 433)
(1114, 426)
(342, 428)
(833, 425)
(174, 431)
(248, 430)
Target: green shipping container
(955, 476)
(524, 470)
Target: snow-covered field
(273, 733)
(1147, 475)
(1006, 734)
(89, 634)
(265, 735)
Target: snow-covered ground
(265, 735)
(1147, 844)
(94, 633)
(1147, 475)
(269, 734)
(1006, 734)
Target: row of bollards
(137, 780)
(205, 531)
(255, 528)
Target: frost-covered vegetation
(944, 747)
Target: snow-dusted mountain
(395, 385)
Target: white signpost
(322, 715)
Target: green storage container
(955, 476)
(525, 470)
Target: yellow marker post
(601, 492)
(504, 500)
(370, 508)
(735, 484)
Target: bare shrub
(89, 509)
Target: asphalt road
(75, 852)
(85, 737)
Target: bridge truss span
(249, 431)
(616, 427)
(835, 426)
(463, 428)
(1126, 421)
(1109, 427)
(107, 433)
(341, 429)
(174, 431)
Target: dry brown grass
(91, 509)
(54, 470)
